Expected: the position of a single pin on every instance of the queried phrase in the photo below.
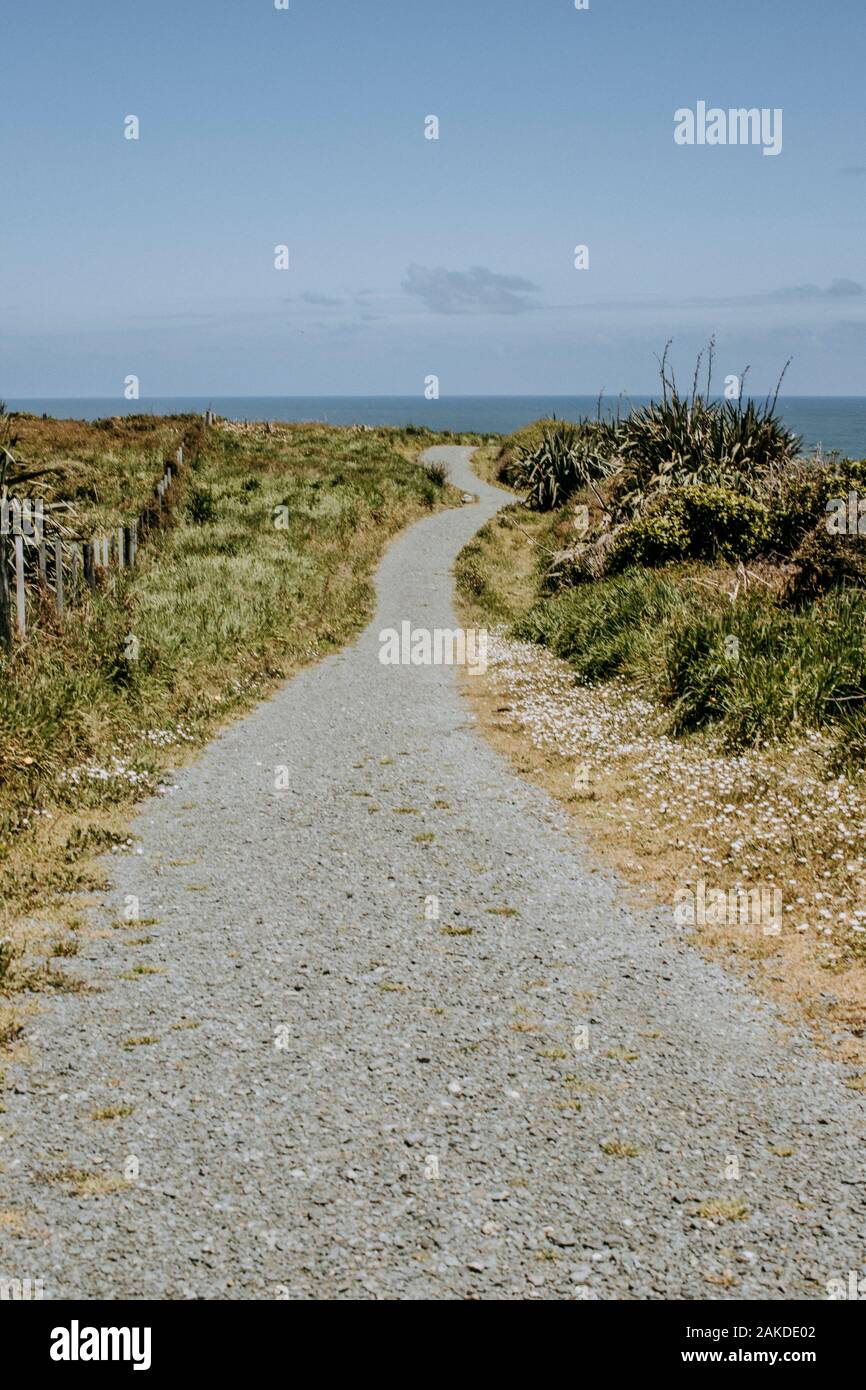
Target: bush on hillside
(699, 522)
(799, 497)
(682, 440)
(825, 562)
(567, 459)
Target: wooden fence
(63, 568)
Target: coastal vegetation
(689, 547)
(677, 606)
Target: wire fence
(43, 561)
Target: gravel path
(376, 1103)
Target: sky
(410, 257)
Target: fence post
(58, 578)
(133, 542)
(180, 454)
(43, 567)
(73, 573)
(21, 611)
(89, 573)
(5, 605)
(121, 549)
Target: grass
(499, 570)
(619, 1148)
(112, 1112)
(80, 1182)
(273, 571)
(753, 671)
(722, 1209)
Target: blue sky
(409, 256)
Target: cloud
(326, 300)
(837, 289)
(475, 291)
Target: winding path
(377, 1103)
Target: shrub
(798, 498)
(522, 441)
(651, 540)
(700, 522)
(567, 459)
(200, 507)
(686, 439)
(437, 474)
(824, 562)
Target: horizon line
(463, 396)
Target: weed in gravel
(721, 1209)
(82, 1183)
(619, 1148)
(65, 946)
(112, 1112)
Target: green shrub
(437, 474)
(700, 522)
(651, 540)
(200, 506)
(566, 460)
(825, 562)
(686, 439)
(798, 498)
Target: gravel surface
(379, 1103)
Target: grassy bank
(267, 565)
(683, 664)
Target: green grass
(753, 671)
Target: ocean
(833, 423)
